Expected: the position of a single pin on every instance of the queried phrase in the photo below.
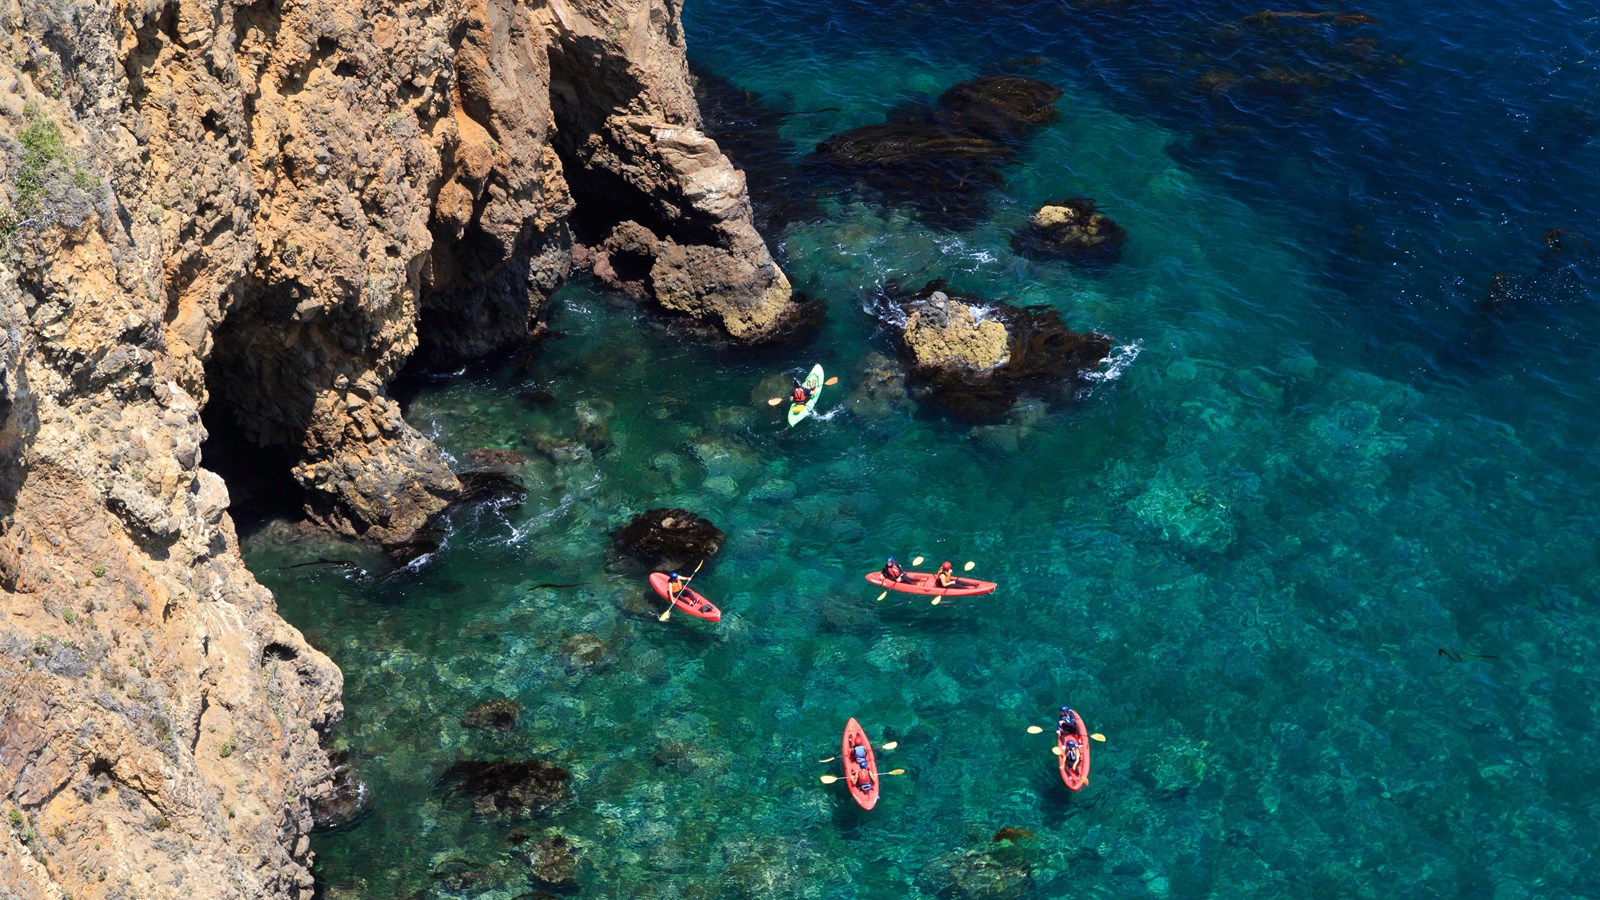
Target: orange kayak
(923, 583)
(853, 735)
(688, 600)
(1078, 775)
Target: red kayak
(923, 583)
(1077, 776)
(853, 735)
(688, 600)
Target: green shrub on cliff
(50, 184)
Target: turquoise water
(1316, 461)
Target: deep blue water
(1325, 465)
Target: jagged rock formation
(263, 210)
(1073, 230)
(977, 359)
(945, 333)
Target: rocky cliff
(263, 210)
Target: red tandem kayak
(688, 600)
(922, 583)
(1077, 776)
(852, 773)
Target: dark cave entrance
(251, 407)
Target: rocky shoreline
(262, 212)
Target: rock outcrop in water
(666, 539)
(975, 359)
(262, 210)
(1073, 230)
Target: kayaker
(893, 572)
(675, 585)
(801, 395)
(1072, 754)
(859, 752)
(945, 577)
(864, 784)
(1068, 723)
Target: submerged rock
(942, 161)
(585, 651)
(497, 713)
(999, 106)
(976, 874)
(554, 860)
(666, 539)
(1071, 229)
(508, 788)
(878, 386)
(977, 366)
(594, 426)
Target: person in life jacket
(893, 572)
(858, 754)
(675, 585)
(864, 782)
(801, 395)
(1071, 754)
(945, 577)
(1068, 723)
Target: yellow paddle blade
(1034, 729)
(774, 401)
(917, 561)
(890, 746)
(1099, 737)
(893, 772)
(883, 595)
(664, 616)
(936, 600)
(831, 381)
(1056, 749)
(828, 779)
(829, 759)
(968, 566)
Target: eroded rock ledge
(264, 210)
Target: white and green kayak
(813, 383)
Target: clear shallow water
(1320, 463)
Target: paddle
(830, 382)
(889, 746)
(671, 600)
(830, 779)
(1034, 729)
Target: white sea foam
(1114, 365)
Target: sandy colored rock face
(264, 210)
(944, 333)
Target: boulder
(1071, 229)
(553, 861)
(976, 366)
(497, 713)
(666, 539)
(999, 106)
(344, 799)
(944, 333)
(508, 788)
